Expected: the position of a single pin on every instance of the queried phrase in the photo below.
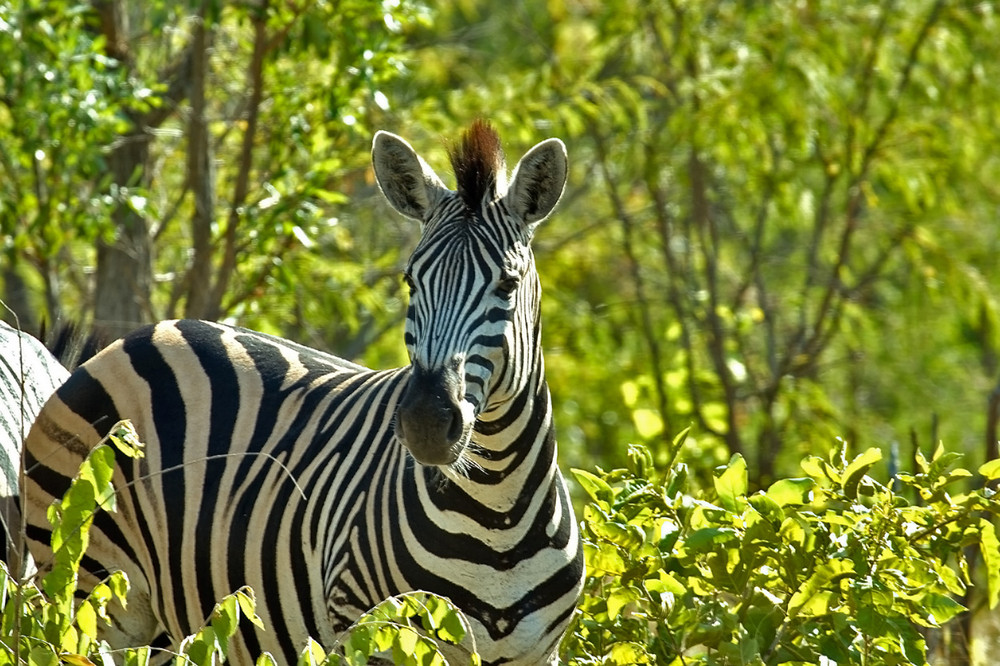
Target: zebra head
(472, 325)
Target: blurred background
(781, 225)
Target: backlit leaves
(831, 567)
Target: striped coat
(327, 486)
(29, 374)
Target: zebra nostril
(457, 426)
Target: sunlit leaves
(818, 132)
(791, 491)
(858, 469)
(211, 642)
(990, 548)
(411, 628)
(825, 568)
(731, 484)
(991, 470)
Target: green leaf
(604, 560)
(664, 582)
(857, 469)
(137, 656)
(706, 536)
(86, 619)
(991, 470)
(675, 447)
(626, 536)
(248, 604)
(126, 440)
(451, 628)
(619, 598)
(939, 609)
(226, 617)
(42, 655)
(912, 644)
(201, 647)
(593, 485)
(359, 643)
(990, 547)
(731, 485)
(819, 583)
(640, 460)
(118, 583)
(626, 653)
(405, 642)
(792, 491)
(312, 654)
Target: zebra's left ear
(538, 181)
(409, 184)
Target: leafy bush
(411, 627)
(830, 568)
(49, 626)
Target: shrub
(830, 568)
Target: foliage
(829, 568)
(411, 627)
(769, 201)
(49, 625)
(780, 224)
(61, 102)
(769, 204)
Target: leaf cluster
(415, 629)
(46, 624)
(829, 567)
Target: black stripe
(169, 419)
(224, 404)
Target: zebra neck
(513, 448)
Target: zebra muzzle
(433, 420)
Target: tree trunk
(16, 296)
(201, 181)
(125, 266)
(255, 83)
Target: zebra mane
(479, 164)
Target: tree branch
(255, 81)
(649, 333)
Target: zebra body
(29, 374)
(326, 486)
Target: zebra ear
(538, 181)
(409, 184)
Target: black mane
(478, 162)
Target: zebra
(325, 486)
(29, 374)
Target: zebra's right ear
(408, 183)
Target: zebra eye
(507, 285)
